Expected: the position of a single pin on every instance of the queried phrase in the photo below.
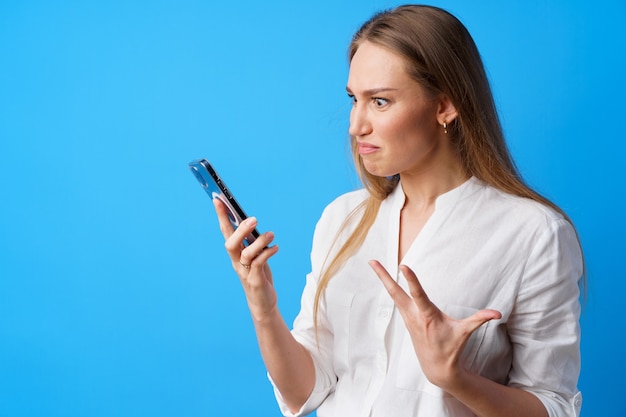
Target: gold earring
(445, 127)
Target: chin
(379, 172)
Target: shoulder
(333, 218)
(526, 224)
(500, 205)
(484, 218)
(346, 202)
(340, 208)
(521, 234)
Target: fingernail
(251, 220)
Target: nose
(359, 121)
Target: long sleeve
(320, 342)
(544, 326)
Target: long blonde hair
(442, 57)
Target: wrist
(264, 317)
(457, 382)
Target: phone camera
(199, 177)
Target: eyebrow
(373, 91)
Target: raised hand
(437, 338)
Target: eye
(352, 98)
(380, 102)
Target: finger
(252, 252)
(226, 227)
(257, 262)
(237, 235)
(420, 298)
(264, 256)
(235, 242)
(479, 318)
(382, 273)
(399, 296)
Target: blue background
(116, 297)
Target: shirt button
(578, 401)
(383, 313)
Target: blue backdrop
(116, 297)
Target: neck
(422, 189)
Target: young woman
(446, 287)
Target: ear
(446, 111)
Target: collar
(446, 200)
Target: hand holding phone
(215, 188)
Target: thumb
(479, 318)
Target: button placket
(382, 313)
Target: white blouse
(481, 248)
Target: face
(395, 122)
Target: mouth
(367, 148)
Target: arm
(439, 340)
(543, 330)
(544, 326)
(289, 364)
(287, 361)
(487, 398)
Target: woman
(446, 287)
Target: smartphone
(215, 188)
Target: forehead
(373, 66)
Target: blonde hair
(442, 57)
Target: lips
(367, 148)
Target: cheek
(397, 124)
(411, 127)
(423, 121)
